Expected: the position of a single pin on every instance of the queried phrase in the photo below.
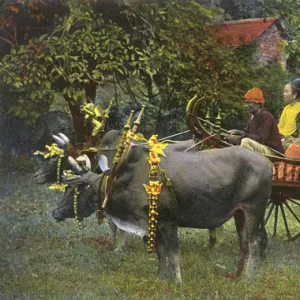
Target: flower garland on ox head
(51, 151)
(154, 188)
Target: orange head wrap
(255, 95)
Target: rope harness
(58, 186)
(77, 193)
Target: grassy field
(42, 259)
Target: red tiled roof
(237, 33)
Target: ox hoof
(163, 275)
(178, 283)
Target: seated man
(289, 118)
(261, 133)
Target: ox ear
(64, 138)
(60, 142)
(74, 164)
(103, 163)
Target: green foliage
(271, 79)
(288, 12)
(181, 58)
(19, 163)
(174, 42)
(166, 56)
(83, 49)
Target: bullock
(49, 172)
(209, 187)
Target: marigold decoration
(91, 149)
(54, 150)
(138, 137)
(94, 113)
(154, 187)
(75, 207)
(156, 146)
(51, 150)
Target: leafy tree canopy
(82, 50)
(163, 55)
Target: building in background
(267, 35)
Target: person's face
(288, 96)
(251, 107)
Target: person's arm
(236, 132)
(263, 131)
(239, 132)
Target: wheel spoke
(297, 236)
(285, 221)
(292, 212)
(275, 221)
(269, 213)
(295, 202)
(269, 203)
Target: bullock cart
(284, 204)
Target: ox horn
(60, 142)
(64, 138)
(103, 163)
(74, 164)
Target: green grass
(42, 259)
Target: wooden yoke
(207, 119)
(121, 154)
(130, 138)
(121, 145)
(217, 128)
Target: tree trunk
(79, 124)
(82, 135)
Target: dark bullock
(49, 169)
(210, 187)
(50, 172)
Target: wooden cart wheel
(289, 209)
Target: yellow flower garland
(154, 187)
(53, 150)
(75, 207)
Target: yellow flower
(58, 187)
(156, 146)
(137, 137)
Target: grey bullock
(209, 186)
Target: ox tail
(263, 241)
